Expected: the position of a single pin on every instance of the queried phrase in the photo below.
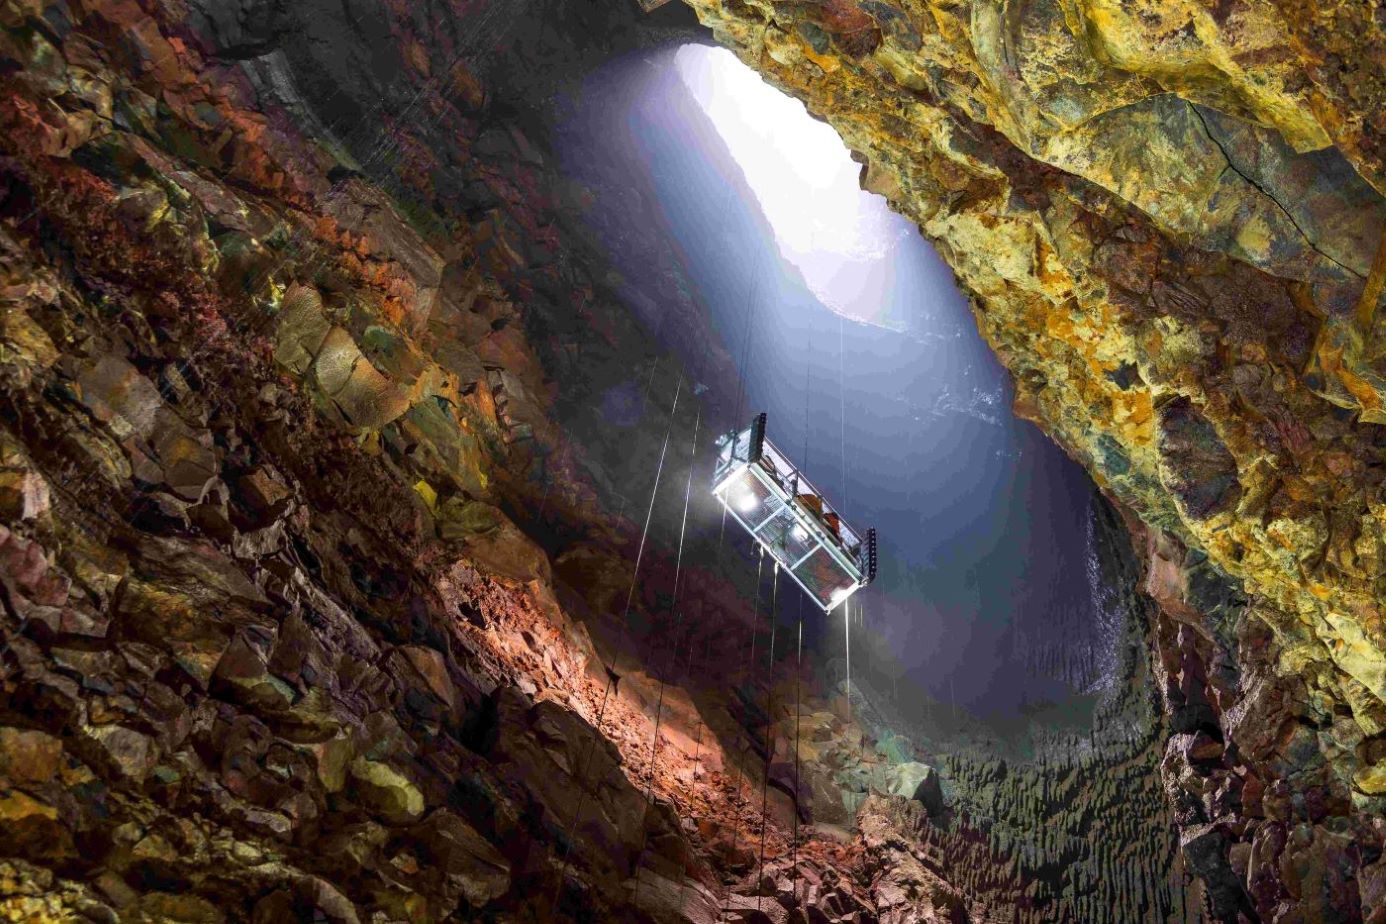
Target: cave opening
(991, 610)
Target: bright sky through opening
(984, 523)
(804, 179)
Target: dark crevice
(1263, 191)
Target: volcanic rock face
(309, 574)
(1170, 218)
(273, 647)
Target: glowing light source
(804, 179)
(799, 533)
(746, 502)
(839, 595)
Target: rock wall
(1170, 218)
(279, 447)
(1081, 830)
(272, 648)
(1058, 818)
(313, 535)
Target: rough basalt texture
(272, 648)
(1062, 818)
(314, 538)
(307, 610)
(1167, 214)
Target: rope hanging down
(565, 439)
(746, 337)
(847, 657)
(645, 395)
(842, 405)
(609, 668)
(769, 720)
(674, 653)
(842, 462)
(798, 674)
(799, 643)
(745, 669)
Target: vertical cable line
(798, 674)
(807, 366)
(609, 668)
(649, 511)
(673, 655)
(842, 404)
(847, 657)
(649, 386)
(755, 620)
(698, 739)
(644, 403)
(741, 390)
(799, 645)
(769, 720)
(741, 393)
(842, 438)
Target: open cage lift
(790, 518)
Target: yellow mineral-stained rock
(305, 345)
(1137, 196)
(1166, 213)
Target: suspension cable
(846, 499)
(673, 656)
(649, 511)
(798, 675)
(645, 395)
(755, 621)
(752, 294)
(769, 721)
(698, 739)
(610, 668)
(842, 404)
(847, 636)
(805, 462)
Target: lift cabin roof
(790, 518)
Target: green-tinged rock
(919, 782)
(243, 668)
(301, 330)
(333, 756)
(491, 539)
(385, 790)
(132, 754)
(467, 860)
(1372, 780)
(367, 399)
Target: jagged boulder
(491, 539)
(919, 782)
